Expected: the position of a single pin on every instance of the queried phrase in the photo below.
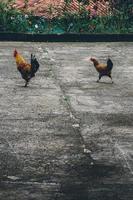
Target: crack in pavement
(76, 120)
(124, 155)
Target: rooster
(103, 69)
(27, 70)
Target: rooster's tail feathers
(34, 65)
(109, 64)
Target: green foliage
(121, 21)
(14, 21)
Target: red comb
(15, 53)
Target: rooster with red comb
(26, 70)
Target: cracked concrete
(65, 136)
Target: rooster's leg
(110, 78)
(99, 78)
(26, 83)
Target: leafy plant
(119, 21)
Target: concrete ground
(66, 137)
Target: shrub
(120, 21)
